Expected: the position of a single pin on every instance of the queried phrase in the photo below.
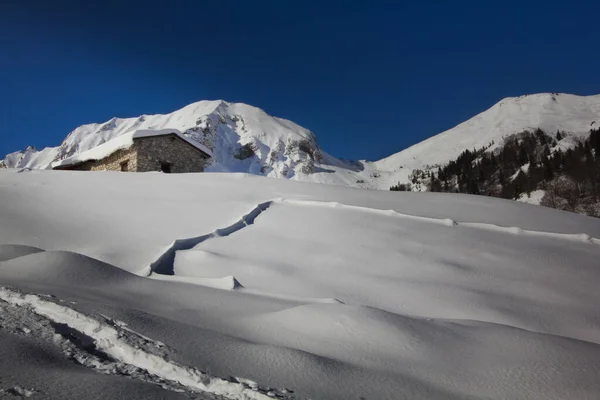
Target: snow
(8, 251)
(109, 340)
(320, 290)
(18, 391)
(124, 141)
(44, 358)
(31, 158)
(535, 197)
(548, 111)
(224, 127)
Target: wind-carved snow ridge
(164, 264)
(449, 222)
(111, 349)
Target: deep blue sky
(368, 77)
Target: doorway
(165, 167)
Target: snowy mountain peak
(243, 139)
(548, 111)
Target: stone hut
(165, 150)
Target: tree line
(569, 174)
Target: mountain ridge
(244, 138)
(578, 127)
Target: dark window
(125, 166)
(165, 167)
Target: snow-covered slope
(31, 158)
(246, 139)
(548, 111)
(326, 291)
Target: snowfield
(233, 286)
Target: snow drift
(329, 292)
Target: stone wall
(113, 162)
(154, 150)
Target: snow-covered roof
(124, 141)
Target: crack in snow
(164, 263)
(580, 237)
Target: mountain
(551, 112)
(547, 111)
(246, 139)
(541, 149)
(243, 139)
